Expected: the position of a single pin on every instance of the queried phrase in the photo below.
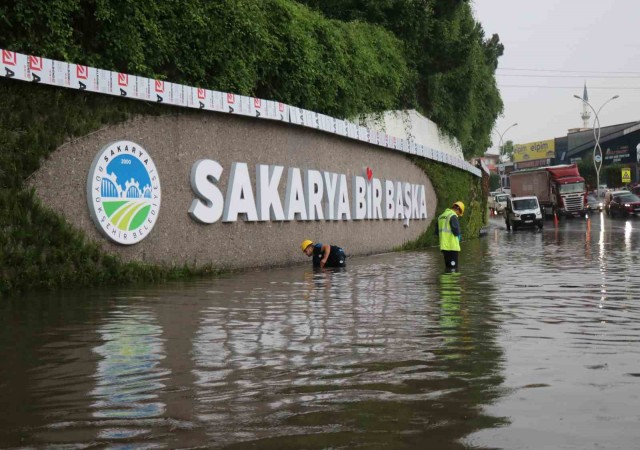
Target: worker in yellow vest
(449, 234)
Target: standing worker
(324, 255)
(449, 234)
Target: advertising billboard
(534, 150)
(618, 154)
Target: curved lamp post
(500, 157)
(597, 150)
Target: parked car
(498, 202)
(523, 211)
(594, 203)
(608, 196)
(624, 205)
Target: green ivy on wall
(451, 185)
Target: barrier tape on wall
(37, 69)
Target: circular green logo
(123, 192)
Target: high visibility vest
(448, 241)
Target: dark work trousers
(450, 260)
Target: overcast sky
(551, 48)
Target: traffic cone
(588, 223)
(555, 218)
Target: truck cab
(523, 212)
(570, 197)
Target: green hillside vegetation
(338, 57)
(360, 58)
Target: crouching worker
(449, 234)
(324, 255)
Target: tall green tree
(339, 57)
(454, 62)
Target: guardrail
(36, 69)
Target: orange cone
(555, 219)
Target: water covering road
(534, 344)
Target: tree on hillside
(454, 62)
(339, 57)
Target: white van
(523, 212)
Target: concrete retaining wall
(176, 142)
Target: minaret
(586, 114)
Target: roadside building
(619, 143)
(620, 146)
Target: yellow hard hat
(305, 244)
(461, 206)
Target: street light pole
(500, 157)
(597, 150)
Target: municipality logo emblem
(123, 192)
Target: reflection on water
(333, 358)
(570, 337)
(128, 378)
(390, 353)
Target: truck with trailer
(560, 189)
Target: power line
(567, 76)
(567, 71)
(612, 88)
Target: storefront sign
(621, 154)
(534, 163)
(534, 150)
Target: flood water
(535, 344)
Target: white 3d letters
(207, 208)
(312, 195)
(359, 198)
(239, 198)
(331, 184)
(389, 200)
(294, 206)
(267, 195)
